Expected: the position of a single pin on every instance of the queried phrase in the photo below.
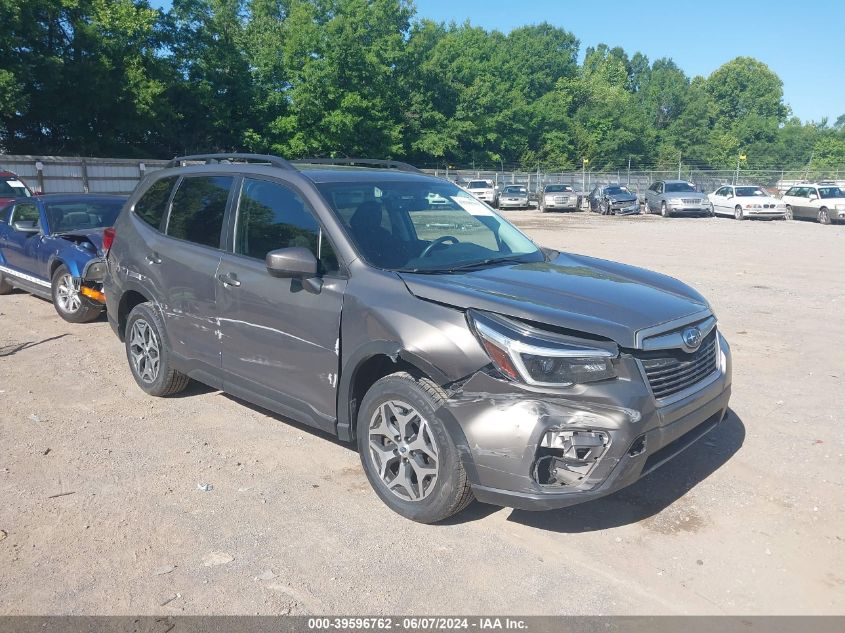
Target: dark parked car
(613, 200)
(393, 309)
(12, 187)
(52, 246)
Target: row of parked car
(393, 310)
(821, 201)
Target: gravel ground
(101, 510)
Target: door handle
(153, 258)
(229, 279)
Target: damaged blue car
(52, 246)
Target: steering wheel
(440, 240)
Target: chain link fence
(61, 174)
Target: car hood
(79, 237)
(575, 292)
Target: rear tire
(712, 213)
(789, 215)
(401, 438)
(148, 354)
(69, 303)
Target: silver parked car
(514, 197)
(394, 311)
(559, 197)
(676, 197)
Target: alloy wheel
(789, 215)
(824, 217)
(403, 450)
(144, 351)
(738, 213)
(67, 295)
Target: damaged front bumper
(533, 449)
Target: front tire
(72, 306)
(664, 211)
(824, 216)
(408, 456)
(148, 354)
(789, 215)
(738, 214)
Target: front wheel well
(371, 371)
(128, 301)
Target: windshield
(13, 188)
(679, 186)
(613, 191)
(750, 192)
(479, 184)
(831, 192)
(557, 188)
(63, 217)
(396, 226)
(515, 189)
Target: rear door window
(153, 204)
(198, 209)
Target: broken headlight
(537, 357)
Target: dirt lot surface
(750, 520)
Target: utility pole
(584, 174)
(629, 171)
(679, 165)
(738, 159)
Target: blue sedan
(52, 246)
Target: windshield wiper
(484, 263)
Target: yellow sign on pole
(586, 160)
(743, 157)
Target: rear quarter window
(199, 208)
(153, 204)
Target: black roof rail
(361, 162)
(275, 161)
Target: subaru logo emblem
(692, 337)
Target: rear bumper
(505, 428)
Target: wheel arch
(128, 300)
(374, 363)
(368, 365)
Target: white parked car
(484, 190)
(821, 201)
(746, 201)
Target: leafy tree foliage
(366, 77)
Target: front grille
(690, 201)
(671, 371)
(768, 206)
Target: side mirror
(813, 196)
(26, 226)
(296, 262)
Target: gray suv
(393, 309)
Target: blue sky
(802, 41)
